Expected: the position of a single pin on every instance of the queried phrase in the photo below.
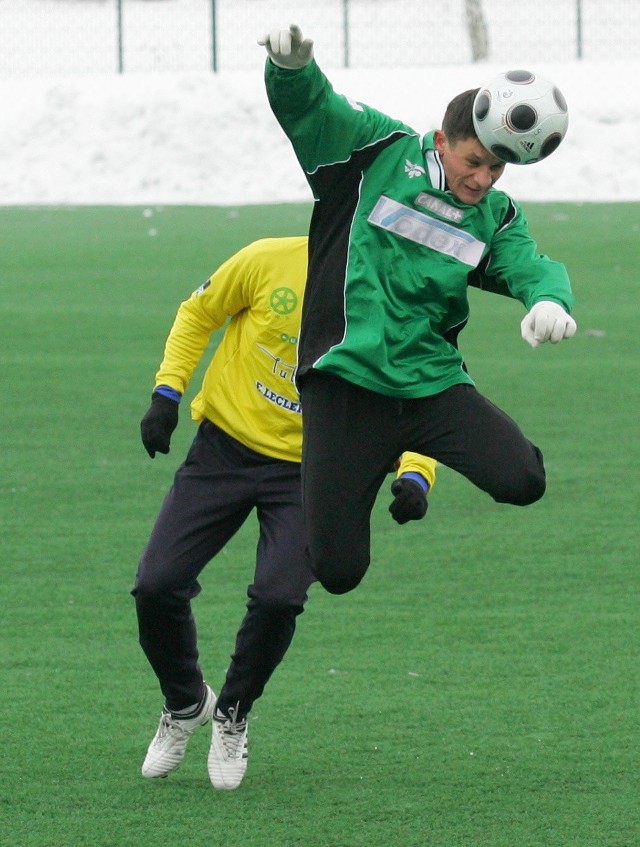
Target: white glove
(287, 48)
(547, 321)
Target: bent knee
(339, 586)
(523, 483)
(275, 592)
(340, 580)
(162, 586)
(274, 606)
(522, 492)
(149, 591)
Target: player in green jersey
(403, 223)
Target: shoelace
(167, 724)
(233, 735)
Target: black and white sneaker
(227, 762)
(169, 744)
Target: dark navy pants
(351, 436)
(213, 493)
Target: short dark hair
(457, 123)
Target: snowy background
(210, 139)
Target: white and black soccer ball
(520, 117)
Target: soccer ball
(520, 117)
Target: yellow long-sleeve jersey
(248, 389)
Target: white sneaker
(227, 762)
(168, 746)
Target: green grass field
(480, 688)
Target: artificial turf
(479, 689)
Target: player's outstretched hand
(410, 501)
(157, 426)
(547, 321)
(287, 48)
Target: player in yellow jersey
(246, 454)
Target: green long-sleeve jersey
(391, 251)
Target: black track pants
(351, 438)
(213, 493)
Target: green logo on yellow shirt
(283, 301)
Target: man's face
(469, 168)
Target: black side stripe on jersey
(451, 334)
(338, 188)
(367, 153)
(436, 170)
(509, 216)
(477, 277)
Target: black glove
(158, 424)
(410, 503)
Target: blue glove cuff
(166, 391)
(416, 477)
